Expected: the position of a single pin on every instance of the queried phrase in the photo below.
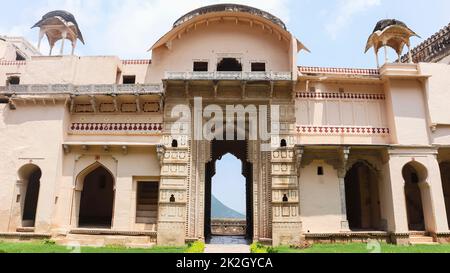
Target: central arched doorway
(239, 150)
(362, 198)
(414, 175)
(30, 175)
(97, 199)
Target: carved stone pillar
(173, 195)
(287, 225)
(342, 172)
(344, 219)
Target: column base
(345, 227)
(171, 234)
(287, 234)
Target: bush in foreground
(196, 247)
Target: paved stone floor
(228, 244)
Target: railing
(37, 89)
(249, 76)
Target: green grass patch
(50, 247)
(365, 248)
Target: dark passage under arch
(362, 197)
(97, 199)
(31, 199)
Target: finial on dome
(59, 25)
(391, 33)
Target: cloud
(345, 12)
(133, 26)
(126, 28)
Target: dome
(229, 8)
(64, 16)
(383, 24)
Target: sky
(335, 31)
(228, 185)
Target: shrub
(196, 247)
(258, 248)
(49, 242)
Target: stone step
(147, 207)
(421, 240)
(152, 214)
(146, 220)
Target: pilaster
(173, 195)
(287, 225)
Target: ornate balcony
(239, 76)
(70, 89)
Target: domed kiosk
(390, 33)
(59, 25)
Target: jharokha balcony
(225, 75)
(70, 89)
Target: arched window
(283, 143)
(174, 143)
(229, 65)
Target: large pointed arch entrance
(239, 150)
(96, 199)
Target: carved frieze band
(349, 96)
(115, 128)
(341, 130)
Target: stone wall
(228, 227)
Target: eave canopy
(212, 13)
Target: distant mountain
(221, 211)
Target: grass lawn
(362, 248)
(43, 247)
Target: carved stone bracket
(160, 151)
(299, 151)
(344, 155)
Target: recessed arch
(445, 177)
(417, 196)
(237, 149)
(30, 176)
(363, 197)
(93, 205)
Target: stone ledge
(25, 235)
(112, 232)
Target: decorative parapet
(116, 128)
(338, 71)
(13, 63)
(136, 62)
(242, 76)
(70, 89)
(348, 96)
(341, 130)
(433, 49)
